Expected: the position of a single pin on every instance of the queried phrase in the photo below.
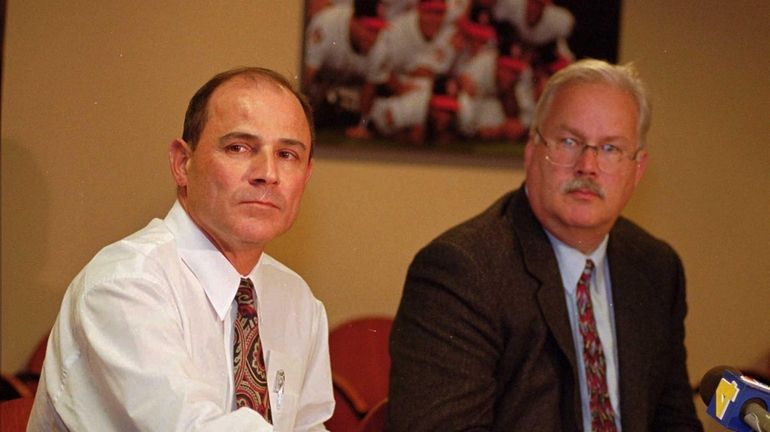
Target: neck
(243, 259)
(243, 262)
(583, 240)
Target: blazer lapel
(630, 304)
(540, 262)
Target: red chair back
(14, 414)
(345, 417)
(359, 354)
(360, 362)
(35, 362)
(375, 419)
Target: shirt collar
(572, 261)
(215, 273)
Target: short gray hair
(624, 77)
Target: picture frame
(441, 79)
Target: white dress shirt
(144, 341)
(571, 265)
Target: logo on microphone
(725, 394)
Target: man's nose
(588, 160)
(264, 168)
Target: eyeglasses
(565, 152)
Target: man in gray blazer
(549, 311)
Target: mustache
(583, 184)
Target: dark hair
(197, 110)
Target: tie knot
(245, 298)
(589, 267)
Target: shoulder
(477, 243)
(284, 283)
(149, 252)
(637, 240)
(632, 245)
(290, 307)
(280, 270)
(493, 221)
(135, 273)
(142, 270)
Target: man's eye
(569, 143)
(236, 148)
(610, 149)
(285, 154)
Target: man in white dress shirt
(144, 338)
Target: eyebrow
(611, 138)
(246, 136)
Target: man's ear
(641, 166)
(529, 147)
(179, 154)
(309, 171)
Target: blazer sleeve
(675, 410)
(444, 344)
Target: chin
(585, 219)
(262, 235)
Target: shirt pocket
(284, 379)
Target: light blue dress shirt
(571, 264)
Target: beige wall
(93, 92)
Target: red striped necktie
(602, 415)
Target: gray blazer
(482, 340)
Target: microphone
(736, 401)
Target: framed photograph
(451, 77)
